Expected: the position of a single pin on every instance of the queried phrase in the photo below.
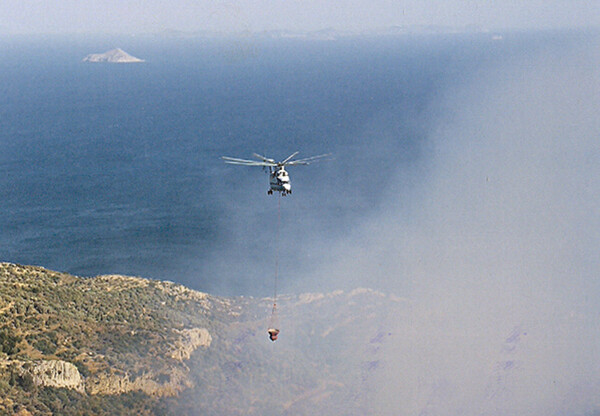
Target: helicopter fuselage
(279, 181)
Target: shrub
(25, 380)
(8, 343)
(45, 347)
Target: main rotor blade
(264, 159)
(246, 162)
(308, 160)
(287, 159)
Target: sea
(117, 169)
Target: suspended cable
(279, 181)
(274, 323)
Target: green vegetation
(106, 326)
(8, 343)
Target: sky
(155, 16)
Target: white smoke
(498, 251)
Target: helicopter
(279, 178)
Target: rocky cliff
(55, 373)
(46, 373)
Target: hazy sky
(137, 16)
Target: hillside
(116, 344)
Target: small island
(113, 56)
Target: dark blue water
(116, 169)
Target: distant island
(113, 56)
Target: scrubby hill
(115, 345)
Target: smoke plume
(496, 250)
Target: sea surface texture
(116, 168)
